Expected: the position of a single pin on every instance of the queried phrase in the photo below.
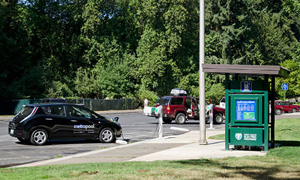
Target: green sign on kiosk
(245, 110)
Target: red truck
(183, 108)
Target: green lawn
(280, 163)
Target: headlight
(111, 120)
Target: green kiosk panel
(247, 121)
(246, 136)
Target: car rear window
(26, 111)
(176, 101)
(164, 101)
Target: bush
(146, 94)
(215, 93)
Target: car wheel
(180, 118)
(277, 111)
(294, 110)
(218, 118)
(167, 121)
(39, 137)
(107, 135)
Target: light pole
(202, 123)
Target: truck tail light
(168, 109)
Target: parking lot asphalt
(177, 147)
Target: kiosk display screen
(246, 110)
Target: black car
(38, 123)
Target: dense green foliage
(140, 49)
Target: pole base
(203, 142)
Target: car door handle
(74, 120)
(49, 119)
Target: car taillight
(168, 109)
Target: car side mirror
(116, 119)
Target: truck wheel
(180, 118)
(218, 118)
(39, 137)
(294, 110)
(167, 121)
(278, 112)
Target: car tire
(167, 121)
(180, 118)
(294, 110)
(277, 112)
(39, 137)
(218, 118)
(107, 135)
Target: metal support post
(160, 130)
(227, 115)
(202, 124)
(273, 112)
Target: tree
(134, 48)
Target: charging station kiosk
(247, 97)
(248, 117)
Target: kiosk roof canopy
(252, 70)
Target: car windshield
(164, 101)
